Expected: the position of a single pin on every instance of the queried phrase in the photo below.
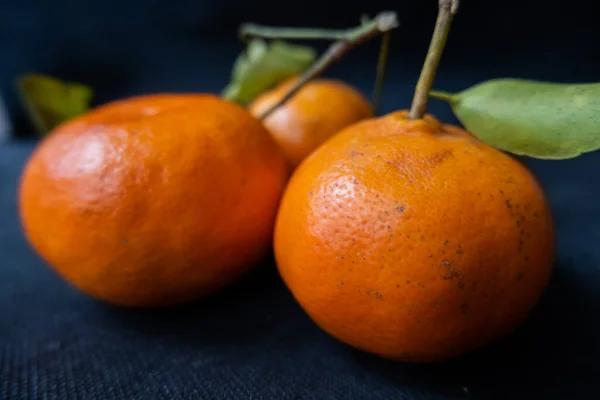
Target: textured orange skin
(154, 200)
(413, 240)
(316, 112)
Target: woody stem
(446, 12)
(381, 70)
(383, 22)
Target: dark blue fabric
(253, 342)
(125, 47)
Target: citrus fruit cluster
(399, 235)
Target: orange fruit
(413, 240)
(154, 200)
(316, 112)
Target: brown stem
(381, 71)
(383, 22)
(447, 9)
(250, 31)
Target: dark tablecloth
(252, 341)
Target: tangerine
(413, 240)
(317, 111)
(153, 200)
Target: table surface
(252, 341)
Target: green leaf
(536, 119)
(50, 101)
(261, 66)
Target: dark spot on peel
(440, 157)
(400, 208)
(460, 285)
(445, 242)
(520, 276)
(464, 308)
